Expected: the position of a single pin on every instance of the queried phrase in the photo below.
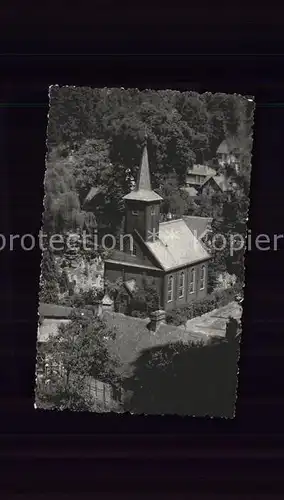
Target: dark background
(136, 456)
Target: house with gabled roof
(204, 180)
(216, 184)
(167, 252)
(197, 174)
(228, 152)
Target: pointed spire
(144, 181)
(143, 190)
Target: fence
(105, 397)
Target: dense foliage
(49, 279)
(218, 298)
(145, 300)
(103, 131)
(77, 352)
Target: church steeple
(143, 190)
(143, 204)
(144, 181)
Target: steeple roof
(144, 181)
(143, 190)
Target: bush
(138, 314)
(85, 298)
(218, 298)
(145, 300)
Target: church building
(171, 253)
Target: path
(214, 323)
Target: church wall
(142, 253)
(135, 221)
(144, 221)
(138, 277)
(114, 271)
(188, 297)
(152, 221)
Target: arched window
(191, 281)
(170, 288)
(181, 285)
(202, 277)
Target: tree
(76, 353)
(230, 228)
(209, 206)
(64, 284)
(49, 287)
(62, 205)
(103, 131)
(87, 298)
(114, 288)
(145, 299)
(175, 200)
(72, 117)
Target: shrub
(177, 317)
(145, 300)
(138, 314)
(85, 298)
(218, 298)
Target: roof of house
(143, 190)
(176, 246)
(94, 191)
(54, 311)
(227, 146)
(221, 181)
(120, 257)
(190, 190)
(201, 170)
(107, 301)
(197, 224)
(133, 336)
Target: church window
(170, 288)
(192, 280)
(181, 285)
(202, 278)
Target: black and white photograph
(144, 232)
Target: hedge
(216, 299)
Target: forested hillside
(95, 139)
(94, 135)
